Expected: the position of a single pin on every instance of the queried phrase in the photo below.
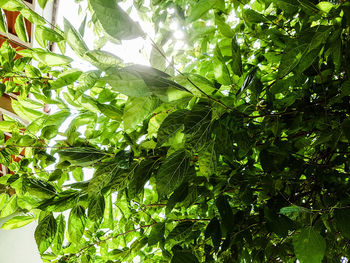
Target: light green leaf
(86, 81)
(42, 3)
(20, 28)
(325, 6)
(108, 220)
(74, 39)
(224, 28)
(76, 224)
(102, 59)
(157, 60)
(110, 111)
(67, 77)
(11, 5)
(130, 84)
(114, 20)
(10, 207)
(82, 26)
(44, 34)
(17, 221)
(200, 9)
(3, 23)
(138, 109)
(309, 246)
(171, 125)
(3, 198)
(45, 232)
(49, 58)
(33, 17)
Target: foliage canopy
(232, 149)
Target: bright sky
(131, 51)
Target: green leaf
(96, 207)
(82, 156)
(213, 231)
(115, 22)
(179, 195)
(17, 221)
(102, 177)
(224, 28)
(181, 231)
(226, 214)
(342, 217)
(221, 72)
(110, 111)
(138, 109)
(49, 132)
(130, 84)
(237, 67)
(309, 246)
(207, 160)
(76, 224)
(290, 60)
(45, 232)
(288, 6)
(251, 16)
(346, 128)
(74, 39)
(173, 172)
(39, 188)
(20, 28)
(200, 9)
(171, 125)
(51, 59)
(140, 176)
(184, 256)
(293, 211)
(59, 237)
(157, 234)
